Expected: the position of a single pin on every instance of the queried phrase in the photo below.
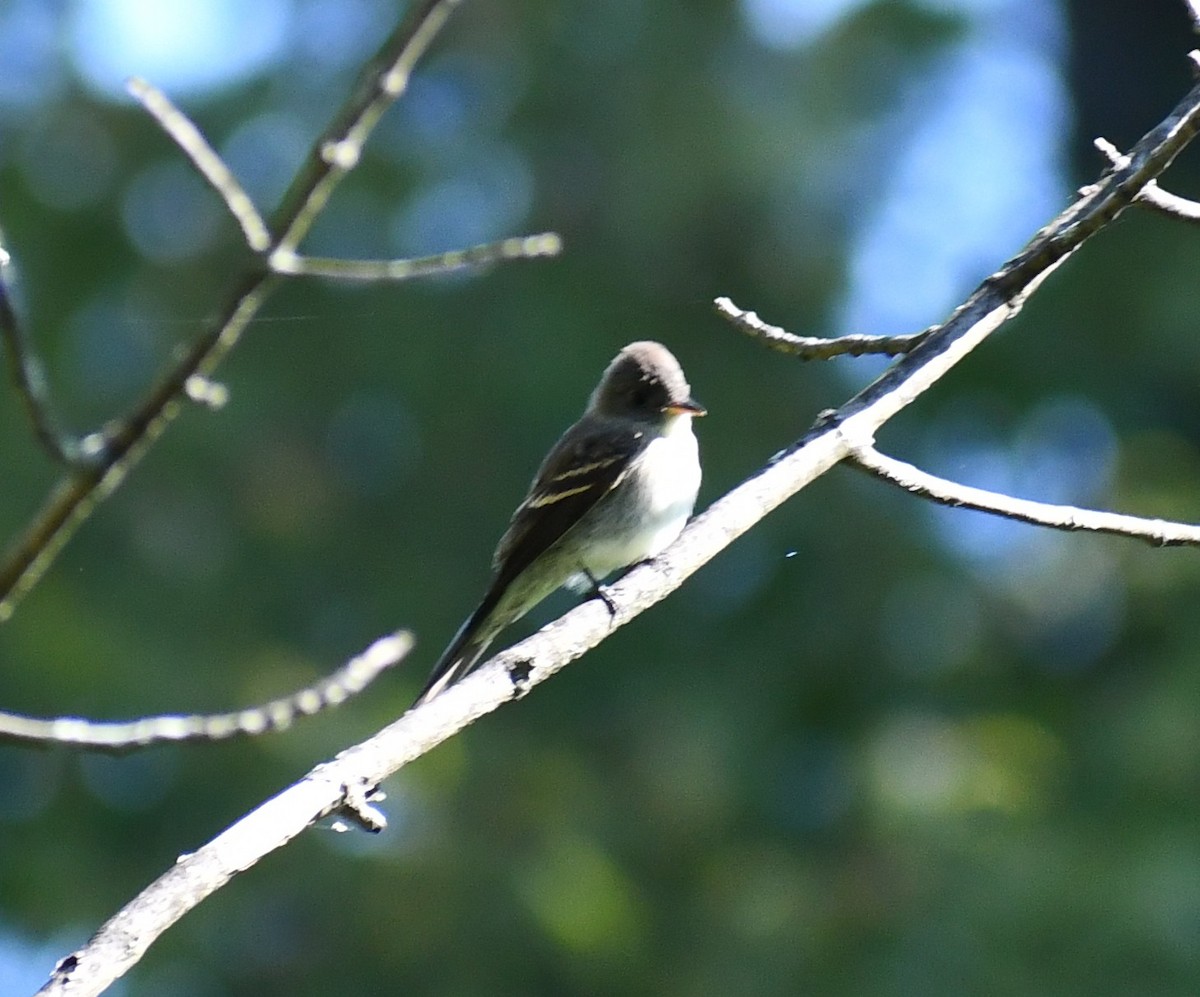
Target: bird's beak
(688, 406)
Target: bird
(616, 489)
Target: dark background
(873, 748)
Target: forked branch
(1152, 195)
(99, 462)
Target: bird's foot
(598, 592)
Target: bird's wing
(580, 470)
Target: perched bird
(617, 488)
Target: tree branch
(811, 347)
(208, 164)
(1158, 532)
(118, 738)
(516, 248)
(112, 453)
(30, 381)
(334, 785)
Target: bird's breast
(660, 494)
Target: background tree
(872, 748)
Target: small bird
(617, 488)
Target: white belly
(667, 497)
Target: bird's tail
(465, 650)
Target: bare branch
(30, 381)
(119, 447)
(1158, 532)
(519, 247)
(811, 347)
(120, 942)
(1152, 195)
(279, 714)
(208, 164)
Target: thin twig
(518, 247)
(811, 347)
(1152, 195)
(30, 381)
(1158, 532)
(279, 714)
(202, 156)
(124, 938)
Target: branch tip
(810, 347)
(211, 167)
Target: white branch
(1159, 532)
(279, 714)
